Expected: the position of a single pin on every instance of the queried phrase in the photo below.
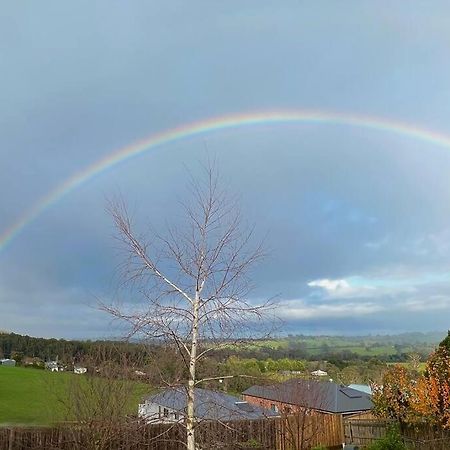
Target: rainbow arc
(216, 124)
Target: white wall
(151, 413)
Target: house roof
(210, 405)
(361, 387)
(322, 396)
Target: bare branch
(193, 280)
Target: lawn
(37, 397)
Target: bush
(252, 443)
(392, 441)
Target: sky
(356, 219)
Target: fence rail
(417, 436)
(288, 433)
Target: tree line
(17, 346)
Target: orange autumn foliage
(409, 398)
(437, 378)
(395, 396)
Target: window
(166, 412)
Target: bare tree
(96, 404)
(304, 423)
(194, 280)
(414, 361)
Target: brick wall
(271, 404)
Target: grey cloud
(83, 79)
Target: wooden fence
(269, 434)
(134, 437)
(363, 432)
(418, 436)
(297, 432)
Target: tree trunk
(190, 416)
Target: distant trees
(248, 371)
(284, 364)
(349, 374)
(17, 356)
(16, 346)
(293, 348)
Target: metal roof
(323, 396)
(210, 405)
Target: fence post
(11, 439)
(341, 423)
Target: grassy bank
(39, 397)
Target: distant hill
(414, 337)
(385, 347)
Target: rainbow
(216, 124)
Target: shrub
(392, 441)
(252, 443)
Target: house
(7, 362)
(291, 372)
(299, 394)
(169, 405)
(79, 370)
(52, 366)
(319, 373)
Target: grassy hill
(386, 348)
(39, 397)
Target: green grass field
(316, 346)
(37, 397)
(422, 366)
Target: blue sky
(357, 220)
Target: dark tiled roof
(323, 396)
(210, 405)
